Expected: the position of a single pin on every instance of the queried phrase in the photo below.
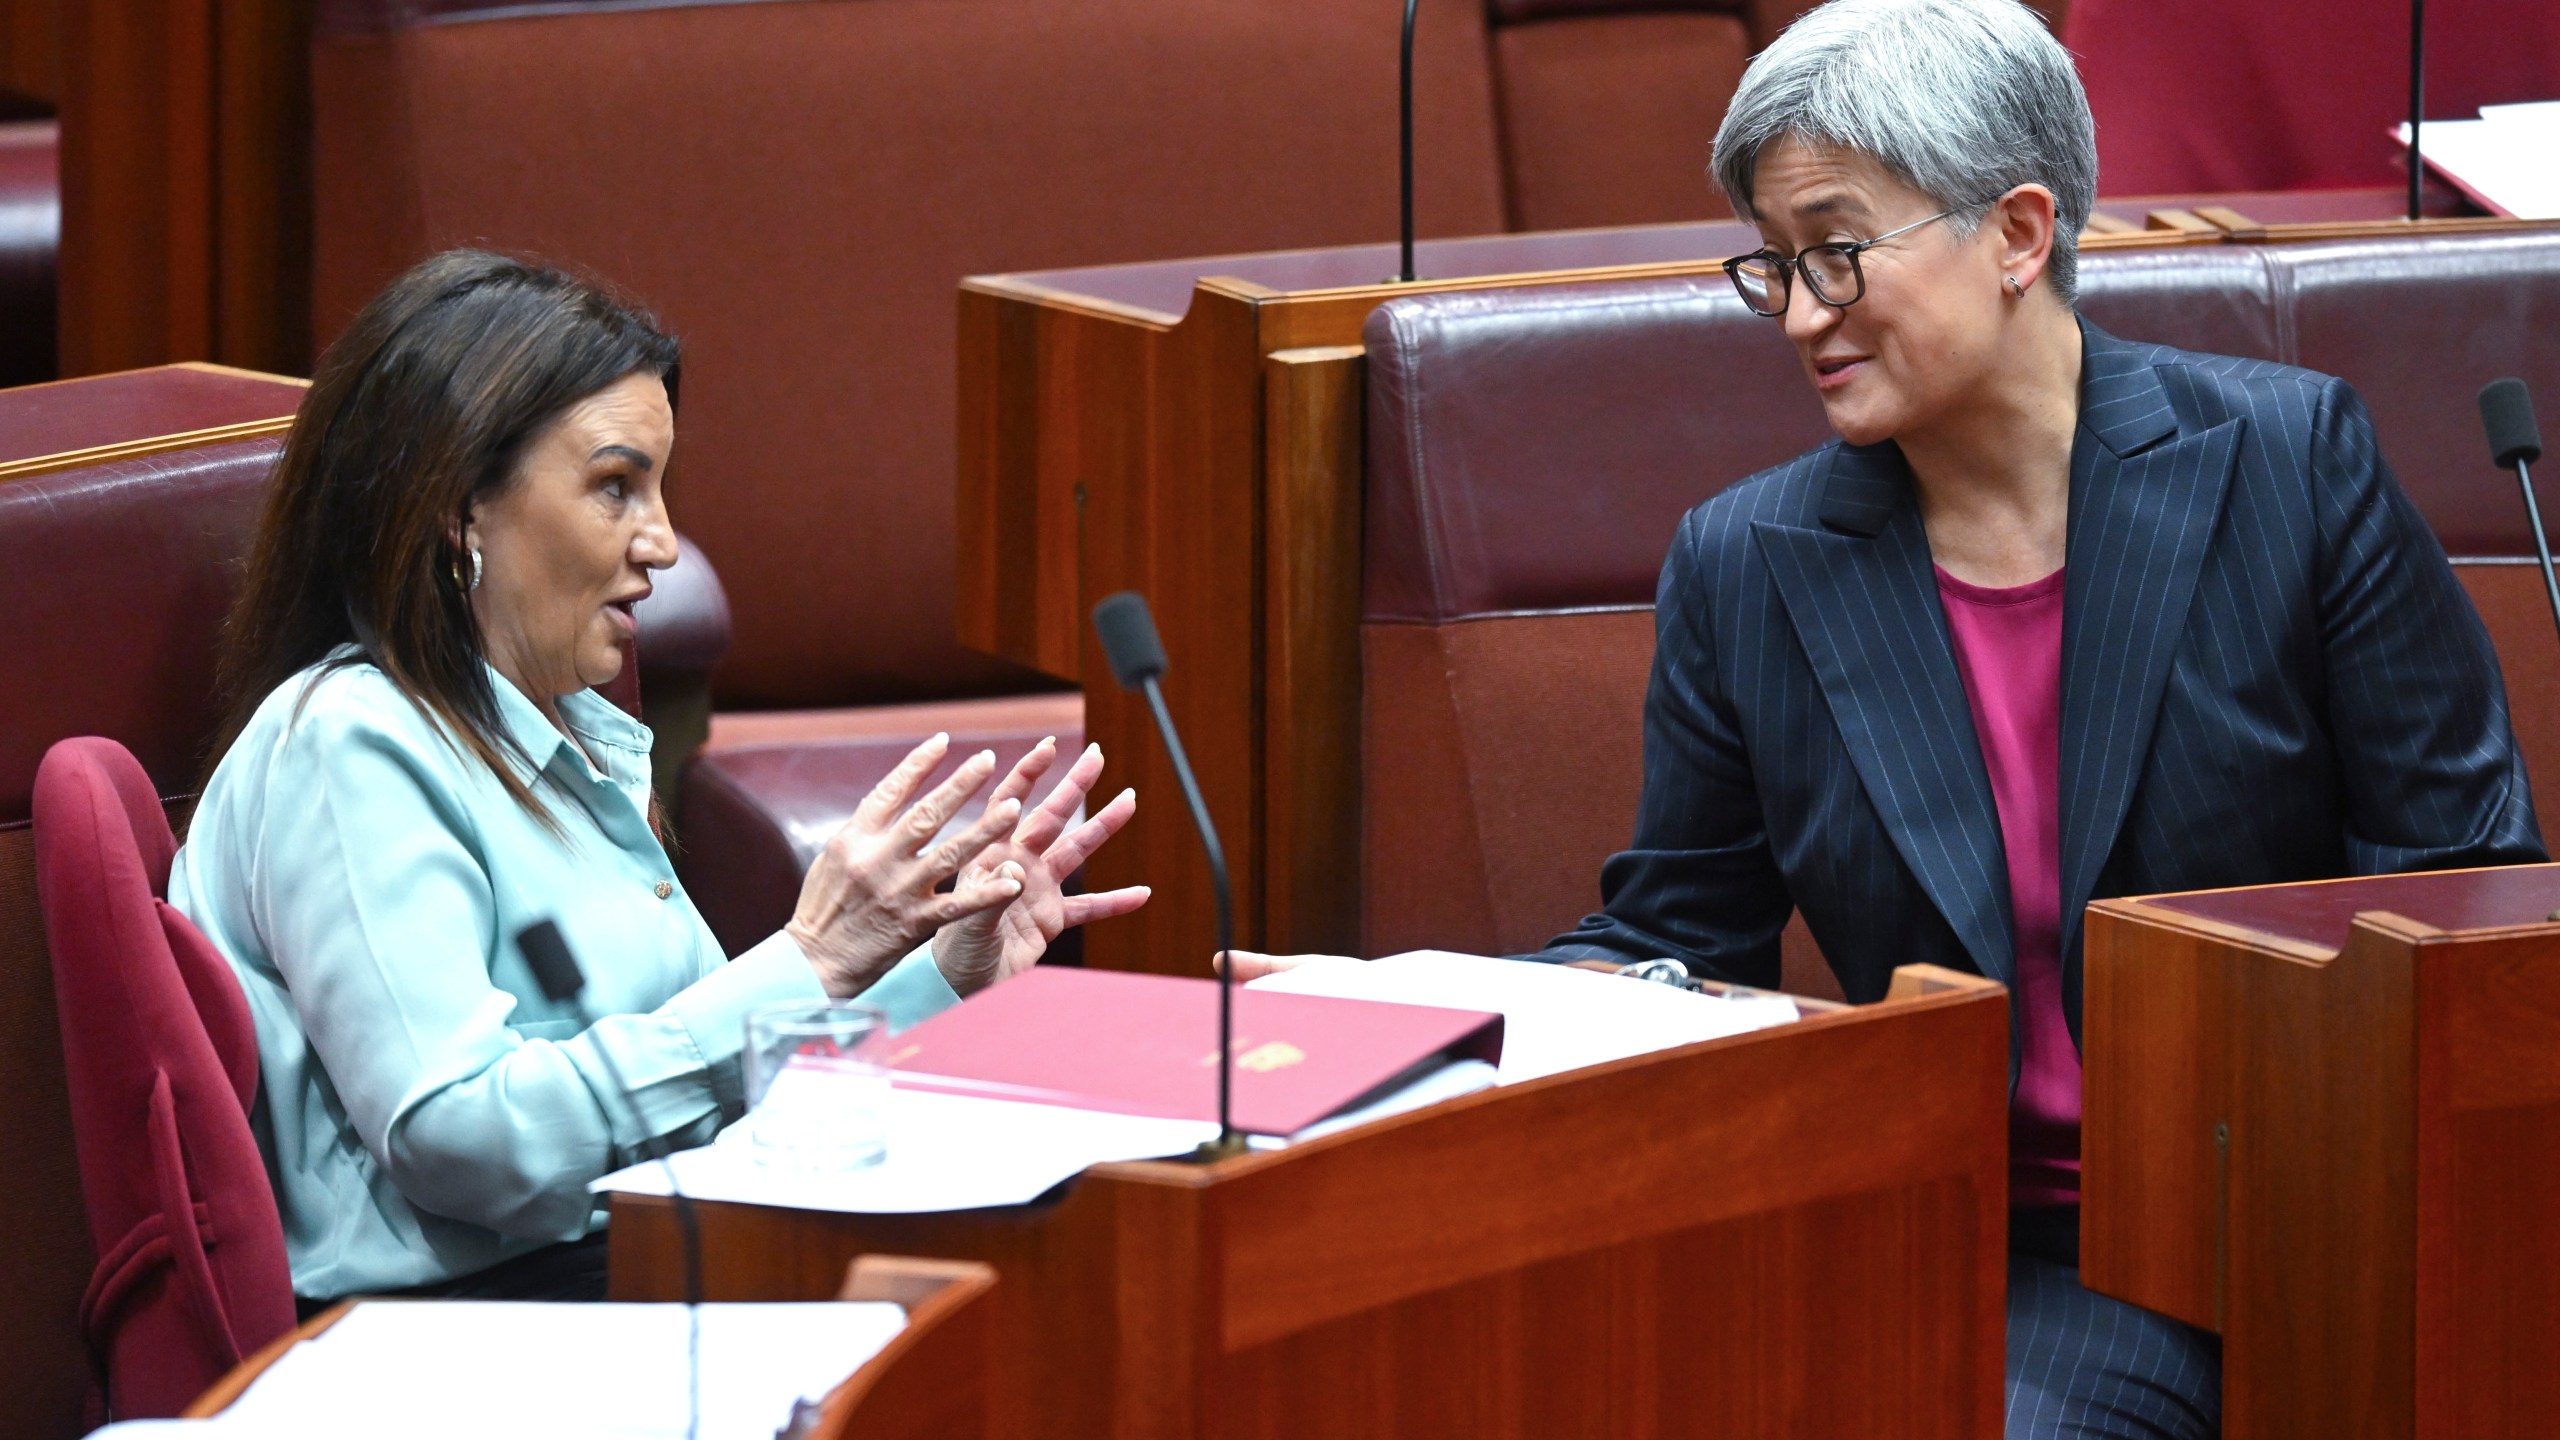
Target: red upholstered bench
(1531, 451)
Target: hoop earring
(2016, 290)
(473, 582)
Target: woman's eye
(617, 487)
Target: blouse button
(665, 888)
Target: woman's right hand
(870, 897)
(1250, 965)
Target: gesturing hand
(1000, 942)
(869, 898)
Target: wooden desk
(2324, 1120)
(1194, 430)
(928, 1383)
(1796, 1232)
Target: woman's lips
(1832, 374)
(623, 619)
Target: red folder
(1148, 1045)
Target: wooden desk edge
(2146, 909)
(2169, 229)
(1914, 987)
(218, 1398)
(931, 1291)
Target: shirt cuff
(713, 1009)
(913, 991)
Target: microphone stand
(2506, 412)
(1229, 1142)
(1129, 641)
(546, 953)
(2418, 110)
(1404, 97)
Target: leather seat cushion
(765, 795)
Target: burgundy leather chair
(1530, 453)
(162, 1062)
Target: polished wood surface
(2344, 1157)
(929, 1383)
(1106, 445)
(1797, 1232)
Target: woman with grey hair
(2057, 617)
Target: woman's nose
(1807, 318)
(654, 547)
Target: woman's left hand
(998, 944)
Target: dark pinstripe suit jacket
(2269, 674)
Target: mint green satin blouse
(424, 1111)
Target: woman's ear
(2023, 220)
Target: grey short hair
(1961, 99)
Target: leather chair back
(162, 1062)
(1530, 453)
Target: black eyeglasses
(1761, 277)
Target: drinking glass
(817, 1092)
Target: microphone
(1129, 642)
(2506, 412)
(2418, 104)
(555, 970)
(1404, 97)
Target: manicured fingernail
(989, 756)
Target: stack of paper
(617, 1371)
(2503, 160)
(946, 1152)
(1555, 1018)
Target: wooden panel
(929, 1381)
(2154, 1037)
(1185, 529)
(1796, 1324)
(1545, 1260)
(2323, 1070)
(1406, 1210)
(31, 48)
(2488, 1176)
(185, 184)
(1313, 452)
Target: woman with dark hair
(417, 766)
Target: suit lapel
(1863, 600)
(2145, 501)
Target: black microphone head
(2506, 408)
(1128, 635)
(554, 968)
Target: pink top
(2008, 646)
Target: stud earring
(2016, 290)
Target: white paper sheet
(946, 1152)
(499, 1368)
(2504, 159)
(1554, 1018)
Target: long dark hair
(423, 406)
